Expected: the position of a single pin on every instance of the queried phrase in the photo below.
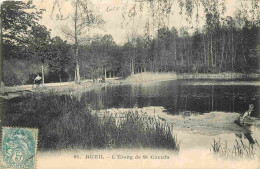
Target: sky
(111, 11)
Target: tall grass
(151, 76)
(65, 122)
(239, 150)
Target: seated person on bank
(37, 80)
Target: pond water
(177, 96)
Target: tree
(174, 34)
(18, 18)
(59, 56)
(83, 17)
(38, 44)
(107, 44)
(23, 36)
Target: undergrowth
(65, 122)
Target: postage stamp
(19, 146)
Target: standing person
(2, 85)
(37, 80)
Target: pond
(201, 97)
(177, 96)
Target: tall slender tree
(82, 18)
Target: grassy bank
(64, 122)
(159, 76)
(150, 76)
(223, 75)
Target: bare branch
(66, 31)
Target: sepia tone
(133, 83)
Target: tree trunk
(205, 55)
(105, 72)
(1, 60)
(77, 73)
(211, 52)
(76, 44)
(232, 50)
(42, 74)
(175, 53)
(75, 77)
(60, 77)
(222, 53)
(132, 66)
(182, 62)
(215, 54)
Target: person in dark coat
(38, 80)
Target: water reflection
(249, 137)
(247, 134)
(177, 97)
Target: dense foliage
(223, 44)
(28, 46)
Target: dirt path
(85, 85)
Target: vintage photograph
(130, 84)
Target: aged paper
(130, 84)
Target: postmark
(19, 146)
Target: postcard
(124, 84)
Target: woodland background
(223, 44)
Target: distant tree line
(223, 44)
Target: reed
(240, 150)
(64, 122)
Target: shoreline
(224, 122)
(9, 92)
(224, 75)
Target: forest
(222, 44)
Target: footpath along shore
(8, 92)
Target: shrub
(18, 71)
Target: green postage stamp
(19, 147)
